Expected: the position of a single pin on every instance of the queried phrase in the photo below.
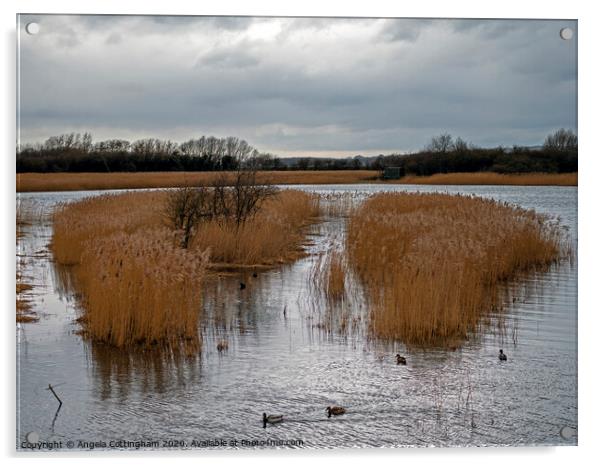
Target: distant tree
(357, 162)
(441, 144)
(112, 146)
(277, 164)
(303, 163)
(562, 140)
(378, 163)
(87, 142)
(460, 145)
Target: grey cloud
(228, 59)
(114, 39)
(405, 30)
(298, 83)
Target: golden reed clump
(137, 285)
(275, 235)
(141, 288)
(431, 264)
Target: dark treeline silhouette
(558, 154)
(78, 153)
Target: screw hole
(566, 33)
(32, 28)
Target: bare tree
(248, 195)
(238, 196)
(460, 145)
(441, 144)
(562, 140)
(233, 198)
(185, 208)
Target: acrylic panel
(295, 232)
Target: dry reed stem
(432, 263)
(24, 312)
(328, 275)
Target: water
(285, 358)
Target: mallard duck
(335, 410)
(222, 345)
(271, 419)
(502, 356)
(400, 360)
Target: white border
(589, 225)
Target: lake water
(288, 356)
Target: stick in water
(55, 395)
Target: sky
(297, 86)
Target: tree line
(557, 154)
(75, 152)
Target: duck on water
(271, 419)
(335, 411)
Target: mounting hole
(566, 33)
(568, 433)
(32, 28)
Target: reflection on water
(117, 374)
(291, 352)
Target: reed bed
(137, 285)
(432, 264)
(76, 225)
(141, 288)
(24, 312)
(274, 236)
(489, 178)
(35, 182)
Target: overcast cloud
(297, 86)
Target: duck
(502, 356)
(400, 359)
(222, 345)
(242, 286)
(335, 410)
(272, 419)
